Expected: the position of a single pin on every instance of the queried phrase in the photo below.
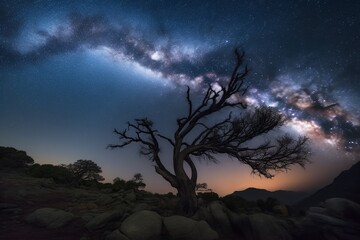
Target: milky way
(303, 55)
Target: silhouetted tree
(86, 170)
(139, 181)
(195, 137)
(135, 183)
(202, 187)
(138, 177)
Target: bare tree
(195, 137)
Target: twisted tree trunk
(188, 203)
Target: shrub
(58, 173)
(135, 183)
(208, 196)
(235, 203)
(12, 158)
(268, 204)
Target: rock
(87, 217)
(220, 217)
(12, 211)
(206, 232)
(104, 200)
(343, 208)
(203, 213)
(106, 190)
(241, 223)
(267, 227)
(179, 227)
(142, 225)
(51, 218)
(140, 207)
(281, 210)
(336, 218)
(101, 220)
(172, 203)
(116, 235)
(47, 183)
(10, 208)
(7, 205)
(319, 210)
(327, 220)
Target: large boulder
(102, 219)
(336, 218)
(220, 217)
(51, 218)
(179, 227)
(342, 208)
(267, 227)
(142, 225)
(116, 235)
(241, 223)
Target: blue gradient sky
(70, 72)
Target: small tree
(195, 137)
(202, 187)
(86, 170)
(135, 183)
(138, 177)
(139, 181)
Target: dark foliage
(86, 170)
(59, 174)
(236, 203)
(268, 204)
(208, 197)
(135, 183)
(13, 158)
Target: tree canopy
(233, 135)
(86, 170)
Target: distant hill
(13, 158)
(287, 197)
(346, 185)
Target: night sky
(71, 71)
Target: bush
(121, 184)
(235, 203)
(58, 173)
(118, 184)
(268, 204)
(208, 197)
(170, 195)
(12, 158)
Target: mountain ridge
(284, 196)
(345, 185)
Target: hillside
(346, 185)
(287, 197)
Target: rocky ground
(33, 208)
